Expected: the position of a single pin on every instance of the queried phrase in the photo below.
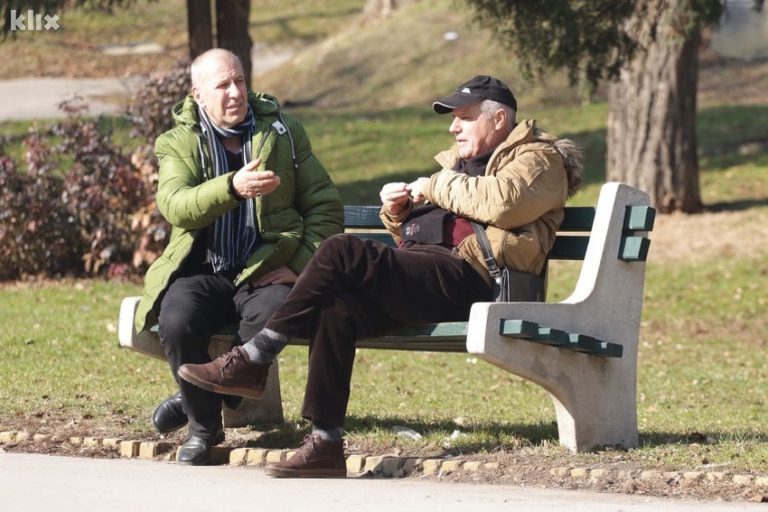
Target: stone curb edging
(392, 466)
(581, 473)
(377, 465)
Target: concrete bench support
(595, 398)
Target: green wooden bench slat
(421, 343)
(589, 345)
(362, 217)
(564, 248)
(519, 328)
(440, 337)
(567, 247)
(531, 331)
(639, 218)
(550, 336)
(634, 248)
(583, 343)
(578, 218)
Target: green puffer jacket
(304, 210)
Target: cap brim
(447, 105)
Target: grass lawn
(701, 364)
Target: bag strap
(485, 246)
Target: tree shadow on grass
(735, 206)
(494, 435)
(653, 439)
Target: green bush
(84, 206)
(37, 233)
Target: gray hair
(198, 68)
(489, 107)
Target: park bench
(582, 350)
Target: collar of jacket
(266, 109)
(525, 132)
(185, 111)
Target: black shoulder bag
(509, 285)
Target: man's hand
(248, 182)
(394, 197)
(281, 275)
(416, 188)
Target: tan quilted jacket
(520, 197)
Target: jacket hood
(527, 132)
(185, 111)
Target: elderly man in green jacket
(249, 204)
(508, 178)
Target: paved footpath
(39, 98)
(30, 482)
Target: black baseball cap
(475, 90)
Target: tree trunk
(199, 28)
(652, 117)
(232, 31)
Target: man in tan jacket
(507, 176)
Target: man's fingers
(252, 165)
(393, 192)
(396, 195)
(416, 188)
(392, 187)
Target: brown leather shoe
(231, 373)
(316, 458)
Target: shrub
(101, 191)
(153, 230)
(83, 206)
(150, 107)
(37, 234)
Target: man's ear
(196, 95)
(500, 119)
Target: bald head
(208, 62)
(218, 86)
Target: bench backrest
(570, 244)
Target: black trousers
(353, 289)
(196, 307)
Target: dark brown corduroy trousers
(353, 289)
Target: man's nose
(455, 128)
(233, 90)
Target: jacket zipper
(263, 141)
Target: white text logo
(34, 21)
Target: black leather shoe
(196, 451)
(169, 415)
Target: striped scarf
(234, 235)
